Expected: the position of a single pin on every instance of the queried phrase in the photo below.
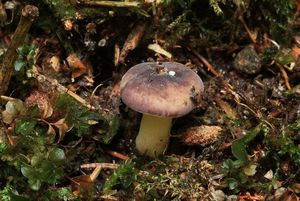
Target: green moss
(61, 8)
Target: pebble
(247, 61)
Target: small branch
(111, 166)
(28, 15)
(117, 155)
(111, 3)
(285, 76)
(205, 62)
(60, 88)
(95, 173)
(252, 38)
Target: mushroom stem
(153, 136)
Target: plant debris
(65, 134)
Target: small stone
(247, 61)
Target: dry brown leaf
(295, 52)
(79, 66)
(201, 135)
(115, 92)
(42, 101)
(68, 24)
(50, 130)
(55, 63)
(62, 128)
(295, 187)
(82, 184)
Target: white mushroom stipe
(153, 136)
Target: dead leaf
(115, 92)
(42, 101)
(91, 28)
(295, 52)
(82, 184)
(295, 188)
(50, 130)
(62, 128)
(55, 63)
(68, 24)
(79, 66)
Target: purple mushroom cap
(167, 89)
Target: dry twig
(251, 36)
(117, 155)
(285, 76)
(60, 88)
(102, 165)
(110, 3)
(210, 67)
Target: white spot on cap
(172, 73)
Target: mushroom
(161, 91)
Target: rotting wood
(28, 14)
(132, 41)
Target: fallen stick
(47, 81)
(111, 3)
(28, 14)
(205, 62)
(285, 76)
(102, 165)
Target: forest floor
(67, 135)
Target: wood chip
(201, 135)
(158, 49)
(132, 41)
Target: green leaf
(238, 149)
(37, 159)
(23, 50)
(25, 126)
(47, 172)
(19, 64)
(10, 194)
(56, 155)
(232, 183)
(35, 184)
(27, 171)
(63, 194)
(239, 146)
